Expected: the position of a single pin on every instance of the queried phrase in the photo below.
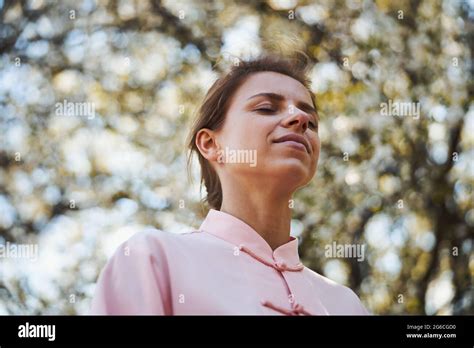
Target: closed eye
(313, 125)
(265, 110)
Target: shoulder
(339, 295)
(149, 248)
(327, 284)
(152, 241)
(148, 237)
(136, 278)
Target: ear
(207, 144)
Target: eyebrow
(300, 104)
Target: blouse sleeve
(134, 280)
(357, 307)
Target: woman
(256, 137)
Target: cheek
(316, 150)
(255, 132)
(240, 134)
(316, 142)
(247, 131)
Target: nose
(297, 119)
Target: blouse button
(281, 266)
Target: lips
(296, 138)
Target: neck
(263, 208)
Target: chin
(295, 172)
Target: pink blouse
(224, 268)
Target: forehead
(272, 82)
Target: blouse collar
(237, 232)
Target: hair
(211, 114)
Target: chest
(237, 284)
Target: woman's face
(271, 120)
